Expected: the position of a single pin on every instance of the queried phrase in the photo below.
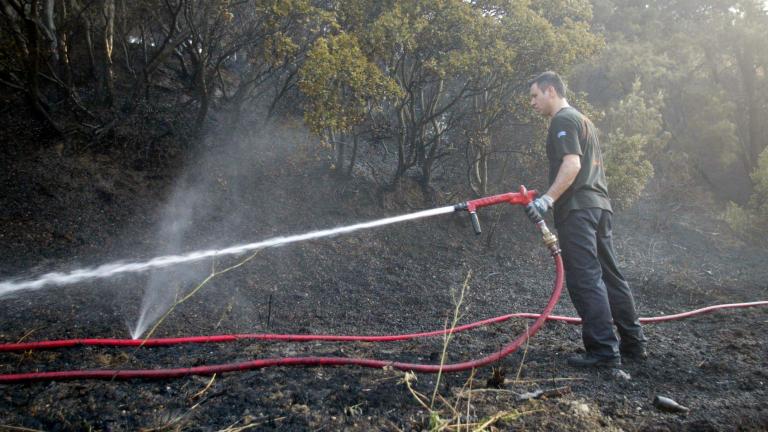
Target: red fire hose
(300, 361)
(70, 343)
(523, 198)
(314, 361)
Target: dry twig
(202, 392)
(205, 281)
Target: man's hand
(539, 207)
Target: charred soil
(63, 211)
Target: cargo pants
(598, 290)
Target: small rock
(579, 407)
(620, 375)
(530, 395)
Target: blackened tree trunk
(109, 38)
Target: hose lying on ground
(317, 361)
(69, 343)
(302, 361)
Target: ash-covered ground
(65, 212)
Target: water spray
(112, 269)
(107, 270)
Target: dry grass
(459, 412)
(112, 361)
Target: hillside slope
(63, 211)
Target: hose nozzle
(522, 197)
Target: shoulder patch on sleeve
(561, 134)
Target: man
(578, 192)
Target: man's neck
(559, 105)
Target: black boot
(593, 361)
(633, 352)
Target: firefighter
(578, 194)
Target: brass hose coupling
(550, 239)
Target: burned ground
(63, 211)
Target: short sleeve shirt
(570, 132)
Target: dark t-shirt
(570, 132)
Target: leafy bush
(626, 167)
(751, 221)
(634, 130)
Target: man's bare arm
(567, 173)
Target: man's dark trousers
(598, 290)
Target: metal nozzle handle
(475, 222)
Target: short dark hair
(547, 79)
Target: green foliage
(423, 79)
(751, 221)
(708, 58)
(760, 177)
(741, 220)
(611, 75)
(559, 12)
(341, 85)
(459, 67)
(545, 35)
(634, 128)
(626, 168)
(712, 131)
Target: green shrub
(751, 221)
(626, 167)
(634, 129)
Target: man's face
(541, 101)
